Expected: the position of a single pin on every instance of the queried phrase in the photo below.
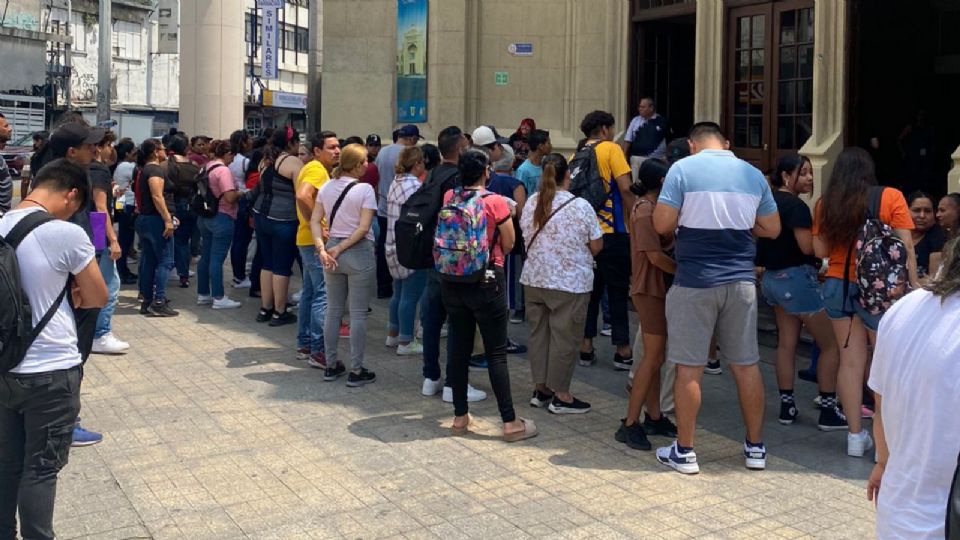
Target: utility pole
(314, 64)
(103, 63)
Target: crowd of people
(480, 231)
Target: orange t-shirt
(893, 211)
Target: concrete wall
(22, 62)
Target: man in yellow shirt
(325, 148)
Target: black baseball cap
(677, 150)
(73, 135)
(409, 130)
(373, 140)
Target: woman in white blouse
(562, 236)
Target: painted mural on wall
(411, 61)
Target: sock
(786, 396)
(828, 400)
(684, 449)
(752, 444)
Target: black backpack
(204, 203)
(417, 224)
(17, 332)
(585, 179)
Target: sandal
(462, 430)
(529, 431)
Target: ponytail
(554, 171)
(146, 151)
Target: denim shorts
(843, 306)
(278, 242)
(794, 290)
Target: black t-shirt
(448, 173)
(783, 251)
(147, 207)
(101, 179)
(932, 242)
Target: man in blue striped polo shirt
(716, 203)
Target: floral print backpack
(461, 249)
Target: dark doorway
(663, 53)
(904, 80)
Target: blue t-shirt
(502, 184)
(529, 175)
(719, 198)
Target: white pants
(668, 373)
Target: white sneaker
(191, 273)
(392, 341)
(431, 387)
(295, 297)
(245, 284)
(858, 443)
(444, 330)
(109, 344)
(225, 303)
(410, 349)
(755, 457)
(419, 332)
(204, 300)
(472, 394)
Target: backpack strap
(336, 205)
(875, 196)
(559, 208)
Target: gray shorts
(695, 315)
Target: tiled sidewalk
(214, 430)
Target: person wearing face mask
(789, 283)
(928, 237)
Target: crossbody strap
(336, 205)
(536, 234)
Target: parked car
(18, 154)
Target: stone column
(708, 62)
(211, 67)
(953, 177)
(829, 90)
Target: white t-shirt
(238, 168)
(360, 197)
(123, 177)
(916, 370)
(47, 256)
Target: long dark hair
(554, 171)
(146, 151)
(843, 205)
(790, 164)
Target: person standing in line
(325, 149)
(155, 227)
(563, 236)
(182, 171)
(217, 231)
(789, 284)
(275, 220)
(6, 181)
(519, 142)
(504, 184)
(241, 146)
(349, 265)
(126, 215)
(40, 396)
(714, 290)
(838, 217)
(915, 378)
(386, 161)
(529, 172)
(948, 214)
(198, 150)
(928, 237)
(646, 136)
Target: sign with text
(270, 42)
(411, 61)
(284, 100)
(275, 4)
(520, 49)
(168, 19)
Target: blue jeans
(181, 238)
(156, 258)
(844, 306)
(403, 304)
(110, 276)
(434, 315)
(313, 303)
(216, 233)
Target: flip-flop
(464, 429)
(529, 431)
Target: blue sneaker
(683, 463)
(755, 457)
(82, 437)
(478, 362)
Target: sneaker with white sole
(295, 297)
(755, 456)
(410, 349)
(472, 394)
(858, 443)
(431, 387)
(540, 399)
(683, 463)
(242, 284)
(392, 341)
(562, 407)
(204, 300)
(109, 344)
(225, 303)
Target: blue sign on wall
(411, 61)
(520, 49)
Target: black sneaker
(562, 407)
(831, 420)
(622, 364)
(788, 412)
(540, 400)
(365, 376)
(184, 283)
(162, 309)
(662, 426)
(264, 315)
(334, 373)
(713, 368)
(145, 308)
(280, 319)
(588, 359)
(633, 436)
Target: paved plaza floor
(213, 429)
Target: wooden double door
(769, 74)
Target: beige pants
(668, 374)
(635, 163)
(556, 321)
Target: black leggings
(612, 274)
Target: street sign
(501, 78)
(270, 34)
(168, 21)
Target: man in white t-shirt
(916, 382)
(40, 396)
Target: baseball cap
(409, 130)
(373, 140)
(485, 135)
(72, 135)
(677, 150)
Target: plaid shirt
(402, 187)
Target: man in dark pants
(40, 396)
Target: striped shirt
(402, 187)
